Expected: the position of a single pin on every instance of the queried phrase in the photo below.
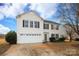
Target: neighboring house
(31, 28)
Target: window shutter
(23, 23)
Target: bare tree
(69, 13)
(69, 32)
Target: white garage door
(29, 38)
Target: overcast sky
(8, 13)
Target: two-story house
(31, 28)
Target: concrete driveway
(29, 50)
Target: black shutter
(23, 23)
(38, 24)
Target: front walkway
(29, 50)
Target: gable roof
(38, 16)
(26, 13)
(29, 12)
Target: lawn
(61, 48)
(45, 49)
(3, 46)
(69, 49)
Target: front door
(45, 37)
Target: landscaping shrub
(52, 39)
(77, 39)
(11, 37)
(61, 39)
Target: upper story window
(46, 26)
(52, 27)
(57, 27)
(25, 23)
(31, 24)
(37, 24)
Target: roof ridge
(38, 16)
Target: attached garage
(29, 28)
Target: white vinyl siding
(31, 29)
(57, 27)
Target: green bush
(52, 39)
(11, 37)
(61, 39)
(76, 39)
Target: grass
(65, 48)
(3, 46)
(62, 48)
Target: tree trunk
(70, 38)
